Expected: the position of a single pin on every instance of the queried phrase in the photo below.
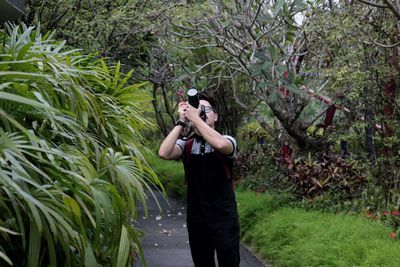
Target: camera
(193, 97)
(194, 101)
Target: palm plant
(71, 137)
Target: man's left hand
(192, 113)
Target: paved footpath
(165, 242)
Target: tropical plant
(329, 172)
(71, 171)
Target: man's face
(211, 115)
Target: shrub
(390, 218)
(255, 163)
(328, 173)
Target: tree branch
(395, 11)
(372, 3)
(381, 45)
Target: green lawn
(294, 237)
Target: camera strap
(203, 114)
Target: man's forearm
(167, 147)
(214, 138)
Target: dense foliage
(120, 29)
(71, 138)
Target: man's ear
(216, 117)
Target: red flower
(395, 212)
(180, 96)
(385, 213)
(392, 235)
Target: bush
(327, 173)
(335, 202)
(255, 163)
(71, 168)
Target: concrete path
(165, 242)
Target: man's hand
(192, 113)
(181, 111)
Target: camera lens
(192, 92)
(193, 98)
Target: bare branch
(381, 45)
(209, 63)
(395, 11)
(196, 47)
(372, 4)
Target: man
(212, 218)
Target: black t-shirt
(210, 196)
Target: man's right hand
(181, 111)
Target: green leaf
(260, 55)
(278, 7)
(4, 85)
(293, 88)
(90, 259)
(7, 259)
(267, 65)
(73, 206)
(256, 69)
(22, 75)
(59, 47)
(34, 245)
(273, 97)
(291, 77)
(299, 6)
(273, 53)
(265, 18)
(23, 50)
(60, 111)
(8, 231)
(26, 101)
(123, 250)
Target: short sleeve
(180, 143)
(234, 144)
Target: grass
(253, 209)
(295, 237)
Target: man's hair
(204, 96)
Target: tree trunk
(369, 136)
(158, 112)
